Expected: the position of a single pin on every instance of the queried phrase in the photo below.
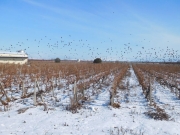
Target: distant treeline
(156, 62)
(51, 60)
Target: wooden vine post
(83, 87)
(151, 81)
(150, 94)
(112, 97)
(75, 92)
(52, 86)
(23, 90)
(34, 99)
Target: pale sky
(87, 29)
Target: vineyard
(85, 98)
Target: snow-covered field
(96, 117)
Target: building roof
(18, 54)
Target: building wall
(14, 60)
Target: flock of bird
(82, 49)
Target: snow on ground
(96, 117)
(168, 101)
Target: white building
(19, 57)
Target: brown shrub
(158, 115)
(116, 105)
